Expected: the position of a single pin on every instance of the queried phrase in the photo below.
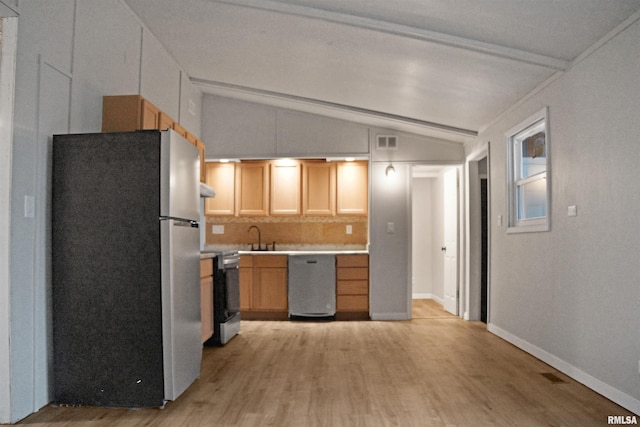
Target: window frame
(514, 182)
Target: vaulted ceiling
(436, 67)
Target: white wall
(70, 54)
(422, 250)
(570, 296)
(7, 76)
(43, 67)
(160, 77)
(240, 129)
(390, 252)
(190, 106)
(107, 47)
(391, 199)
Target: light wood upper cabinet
(252, 188)
(124, 113)
(180, 130)
(221, 176)
(310, 187)
(165, 122)
(285, 188)
(318, 188)
(128, 113)
(352, 188)
(149, 115)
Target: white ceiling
(444, 68)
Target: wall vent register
(386, 142)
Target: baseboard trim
(611, 393)
(390, 316)
(428, 296)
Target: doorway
(435, 216)
(477, 304)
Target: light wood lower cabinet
(263, 286)
(206, 298)
(352, 284)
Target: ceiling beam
(404, 31)
(335, 106)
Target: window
(528, 174)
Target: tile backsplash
(297, 232)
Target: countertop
(311, 252)
(212, 253)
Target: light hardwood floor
(429, 309)
(423, 372)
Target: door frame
(473, 235)
(461, 242)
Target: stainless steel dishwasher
(312, 286)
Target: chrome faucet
(259, 237)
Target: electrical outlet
(391, 228)
(572, 211)
(349, 229)
(217, 229)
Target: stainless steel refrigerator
(125, 268)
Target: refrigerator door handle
(180, 222)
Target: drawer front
(352, 303)
(206, 267)
(270, 261)
(361, 260)
(358, 273)
(353, 287)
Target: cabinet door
(285, 188)
(246, 289)
(150, 115)
(206, 307)
(352, 188)
(180, 130)
(220, 176)
(270, 289)
(165, 122)
(121, 113)
(252, 189)
(318, 188)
